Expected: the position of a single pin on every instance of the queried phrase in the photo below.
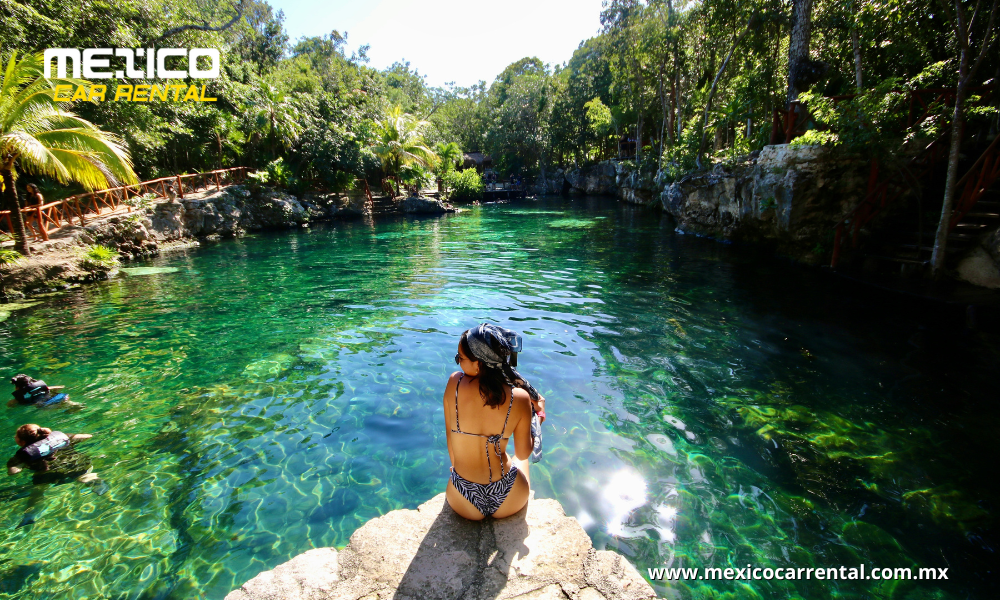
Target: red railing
(43, 219)
(881, 193)
(390, 187)
(363, 184)
(977, 180)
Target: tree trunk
(663, 106)
(857, 57)
(798, 43)
(965, 74)
(957, 118)
(677, 90)
(218, 141)
(17, 220)
(715, 83)
(638, 138)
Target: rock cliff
(433, 554)
(228, 213)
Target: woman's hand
(539, 407)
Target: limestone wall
(228, 213)
(790, 196)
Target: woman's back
(474, 454)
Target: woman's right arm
(449, 403)
(13, 465)
(522, 431)
(79, 437)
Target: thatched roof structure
(476, 160)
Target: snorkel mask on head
(509, 343)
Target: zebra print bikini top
(490, 439)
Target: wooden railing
(362, 184)
(976, 181)
(43, 219)
(390, 187)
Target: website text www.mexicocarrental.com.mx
(757, 573)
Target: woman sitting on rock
(485, 404)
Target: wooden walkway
(43, 219)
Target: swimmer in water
(40, 447)
(29, 391)
(52, 458)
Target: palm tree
(277, 119)
(400, 141)
(38, 136)
(450, 155)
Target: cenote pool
(260, 397)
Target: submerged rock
(433, 554)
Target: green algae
(139, 271)
(571, 224)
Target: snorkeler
(52, 458)
(30, 391)
(39, 448)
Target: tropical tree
(38, 136)
(399, 141)
(277, 120)
(450, 155)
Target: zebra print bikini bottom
(486, 497)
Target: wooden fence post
(180, 188)
(41, 223)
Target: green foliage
(449, 156)
(871, 124)
(259, 179)
(519, 109)
(648, 74)
(399, 141)
(99, 259)
(47, 139)
(278, 172)
(416, 175)
(464, 185)
(7, 255)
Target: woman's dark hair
(21, 381)
(493, 382)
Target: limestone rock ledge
(433, 554)
(423, 206)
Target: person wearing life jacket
(39, 448)
(31, 391)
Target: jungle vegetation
(675, 85)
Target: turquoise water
(264, 396)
